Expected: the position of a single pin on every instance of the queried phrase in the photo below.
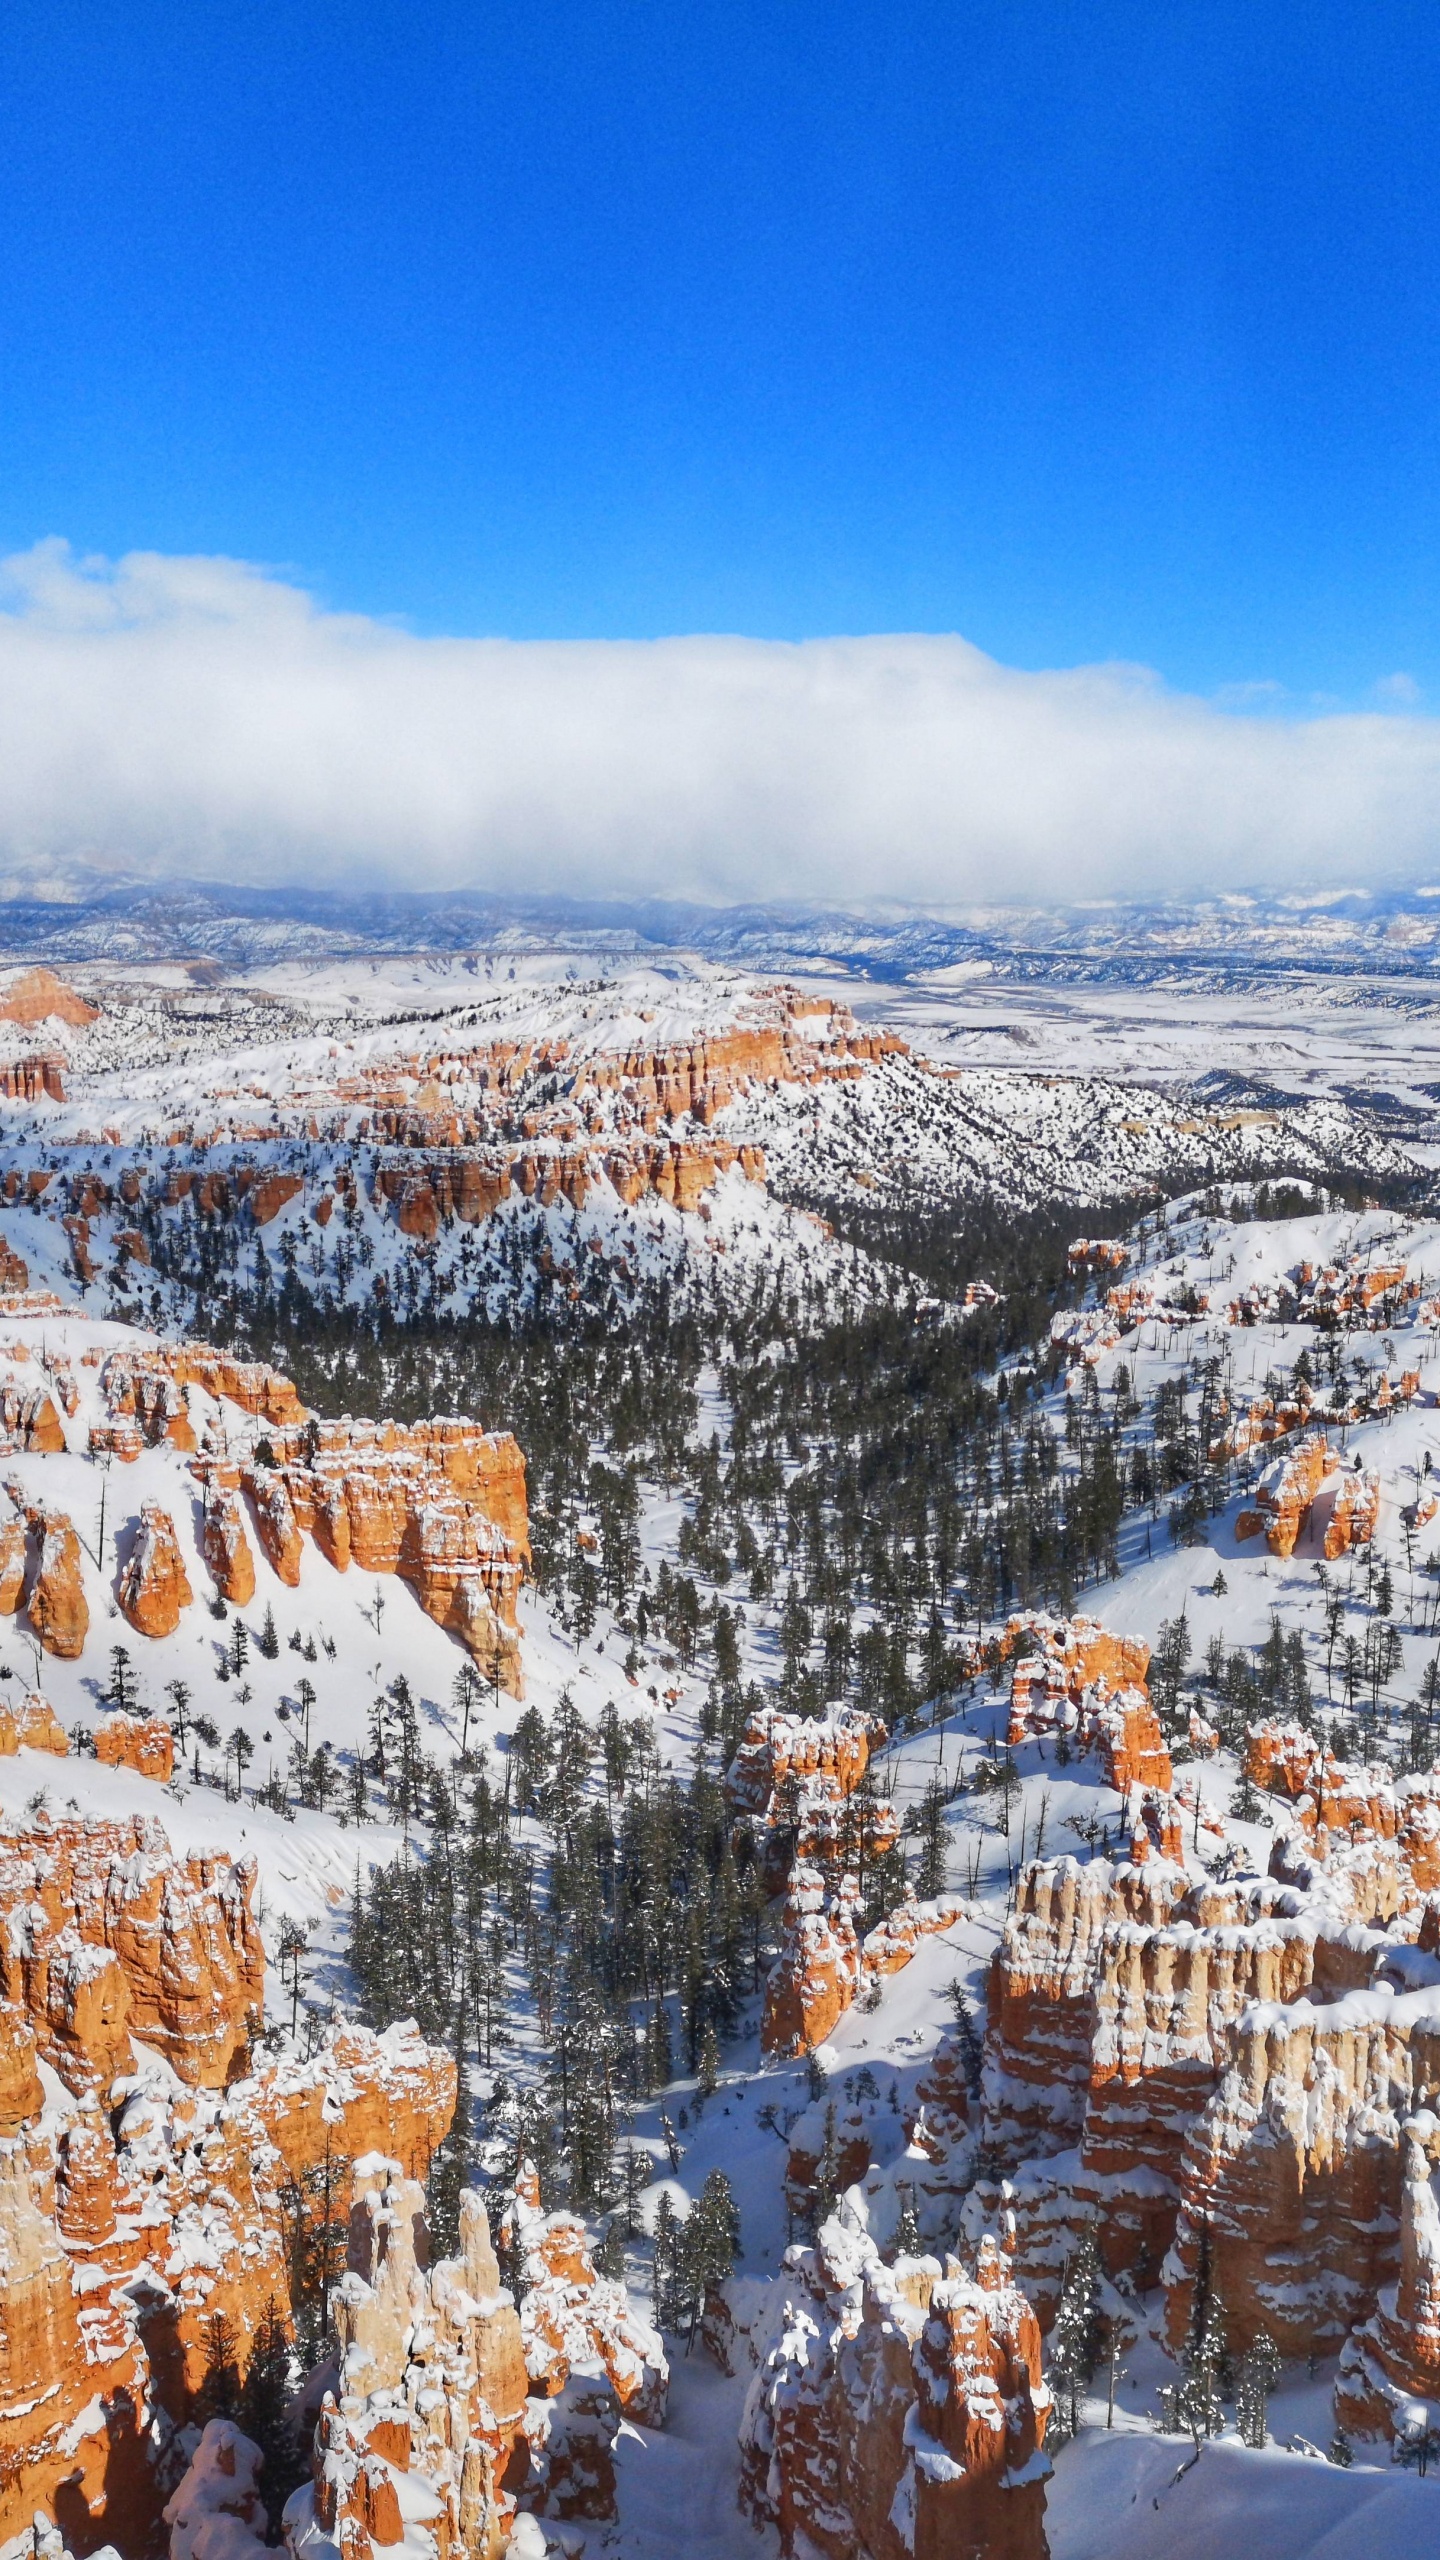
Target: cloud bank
(203, 716)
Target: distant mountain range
(78, 913)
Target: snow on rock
(154, 1587)
(900, 2411)
(1073, 1676)
(217, 2512)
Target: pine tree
(908, 2243)
(609, 2253)
(268, 1640)
(967, 2037)
(219, 2393)
(1073, 2337)
(1259, 2376)
(664, 2256)
(452, 2168)
(930, 1869)
(264, 2406)
(826, 2193)
(709, 2244)
(1197, 2400)
(709, 2068)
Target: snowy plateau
(719, 1754)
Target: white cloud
(202, 716)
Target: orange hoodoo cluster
(902, 2413)
(1072, 1676)
(138, 2205)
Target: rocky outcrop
(38, 1077)
(1313, 1481)
(577, 2324)
(893, 1941)
(75, 2403)
(427, 2418)
(796, 1787)
(59, 1610)
(12, 1567)
(1284, 1495)
(154, 1587)
(30, 1724)
(901, 2413)
(145, 1744)
(1355, 1511)
(276, 1522)
(1342, 1813)
(140, 1388)
(1073, 1677)
(29, 1421)
(217, 2512)
(226, 1548)
(103, 1930)
(394, 2095)
(271, 1193)
(817, 1972)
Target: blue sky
(1085, 332)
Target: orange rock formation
(143, 1743)
(154, 1586)
(902, 2414)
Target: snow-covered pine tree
(663, 2262)
(1259, 2375)
(908, 2243)
(1073, 2337)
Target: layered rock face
(1294, 2171)
(442, 1504)
(37, 995)
(1113, 2000)
(469, 1185)
(1389, 2381)
(1246, 2073)
(901, 2414)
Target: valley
(719, 1761)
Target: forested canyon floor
(839, 1644)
